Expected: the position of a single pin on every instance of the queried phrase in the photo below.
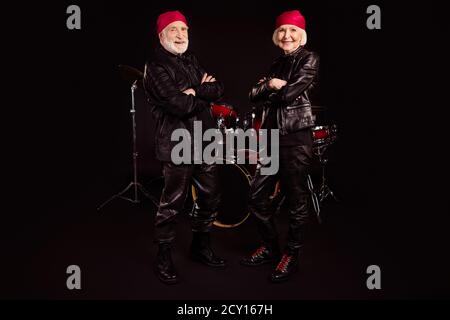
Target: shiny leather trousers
(294, 166)
(178, 180)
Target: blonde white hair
(302, 41)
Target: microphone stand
(135, 185)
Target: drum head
(235, 186)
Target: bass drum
(235, 186)
(235, 180)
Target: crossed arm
(278, 90)
(160, 85)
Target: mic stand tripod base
(137, 187)
(324, 190)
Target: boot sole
(202, 261)
(257, 264)
(165, 281)
(173, 281)
(281, 280)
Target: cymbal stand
(324, 190)
(134, 185)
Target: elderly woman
(285, 94)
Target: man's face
(174, 38)
(289, 37)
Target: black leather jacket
(166, 76)
(291, 103)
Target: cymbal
(130, 74)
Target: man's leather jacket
(292, 103)
(166, 76)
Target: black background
(68, 136)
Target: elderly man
(180, 92)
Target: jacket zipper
(283, 119)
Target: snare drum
(323, 134)
(224, 115)
(320, 134)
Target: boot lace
(285, 260)
(259, 251)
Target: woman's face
(289, 37)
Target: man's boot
(201, 251)
(163, 267)
(266, 253)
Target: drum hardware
(315, 201)
(250, 120)
(323, 137)
(134, 76)
(224, 115)
(221, 123)
(324, 190)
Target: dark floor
(114, 251)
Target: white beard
(172, 48)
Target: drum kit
(235, 179)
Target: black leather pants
(294, 165)
(178, 180)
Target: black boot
(163, 267)
(263, 255)
(201, 251)
(286, 267)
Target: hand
(276, 84)
(207, 78)
(189, 91)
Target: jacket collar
(164, 55)
(294, 53)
